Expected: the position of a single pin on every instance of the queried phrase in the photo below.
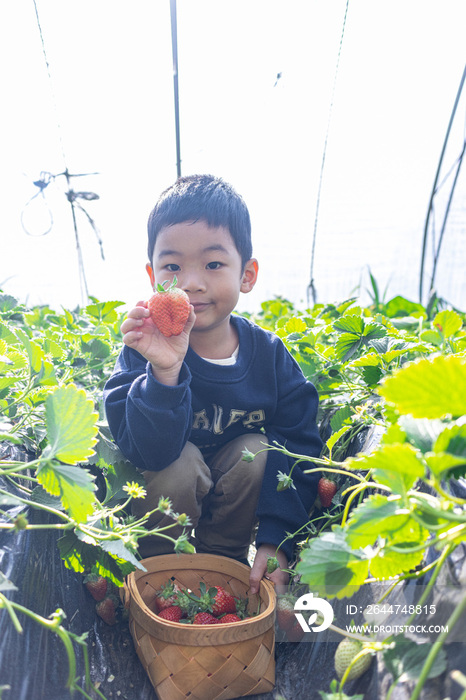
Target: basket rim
(213, 634)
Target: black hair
(202, 197)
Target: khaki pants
(219, 494)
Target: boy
(183, 408)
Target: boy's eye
(214, 265)
(172, 267)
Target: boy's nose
(191, 283)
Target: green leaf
(399, 306)
(453, 440)
(395, 465)
(341, 417)
(74, 486)
(71, 425)
(116, 476)
(350, 324)
(440, 463)
(333, 439)
(331, 567)
(372, 375)
(448, 323)
(405, 660)
(295, 325)
(98, 348)
(7, 500)
(81, 556)
(346, 346)
(104, 310)
(372, 331)
(35, 353)
(6, 584)
(41, 496)
(377, 516)
(388, 563)
(121, 553)
(421, 432)
(429, 388)
(7, 334)
(449, 452)
(7, 302)
(370, 359)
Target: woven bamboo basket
(202, 662)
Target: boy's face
(207, 266)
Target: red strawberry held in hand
(169, 308)
(326, 488)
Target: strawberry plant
(401, 369)
(394, 369)
(55, 444)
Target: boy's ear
(249, 278)
(150, 272)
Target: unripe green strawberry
(345, 653)
(169, 309)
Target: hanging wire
(175, 84)
(52, 92)
(311, 291)
(70, 194)
(43, 182)
(435, 189)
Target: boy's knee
(185, 483)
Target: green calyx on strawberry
(166, 596)
(184, 606)
(215, 600)
(344, 655)
(169, 308)
(326, 489)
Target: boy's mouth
(200, 305)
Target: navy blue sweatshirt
(264, 391)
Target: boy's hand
(259, 568)
(166, 355)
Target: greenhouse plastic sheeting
(34, 664)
